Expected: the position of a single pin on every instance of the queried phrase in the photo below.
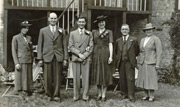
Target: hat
(25, 24)
(100, 18)
(148, 26)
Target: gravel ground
(166, 96)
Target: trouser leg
(76, 79)
(130, 76)
(85, 79)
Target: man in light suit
(23, 58)
(52, 53)
(126, 51)
(81, 46)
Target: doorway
(38, 19)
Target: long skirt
(23, 77)
(147, 77)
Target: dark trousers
(52, 77)
(127, 79)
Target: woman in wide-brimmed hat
(101, 74)
(23, 58)
(149, 61)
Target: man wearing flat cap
(52, 53)
(23, 58)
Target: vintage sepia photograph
(89, 53)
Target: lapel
(129, 42)
(23, 41)
(56, 34)
(121, 43)
(150, 40)
(142, 43)
(48, 31)
(77, 35)
(83, 38)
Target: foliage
(171, 73)
(167, 76)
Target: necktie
(81, 33)
(124, 40)
(53, 30)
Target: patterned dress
(101, 71)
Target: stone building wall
(1, 31)
(161, 12)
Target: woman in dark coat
(102, 57)
(149, 62)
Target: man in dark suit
(81, 46)
(126, 51)
(23, 58)
(52, 53)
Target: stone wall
(1, 31)
(161, 12)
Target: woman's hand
(110, 60)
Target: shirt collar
(126, 37)
(81, 30)
(52, 27)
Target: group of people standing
(88, 48)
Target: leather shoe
(98, 98)
(86, 99)
(145, 98)
(49, 99)
(74, 100)
(151, 99)
(57, 99)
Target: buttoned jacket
(78, 43)
(22, 49)
(132, 51)
(151, 52)
(50, 46)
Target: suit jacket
(78, 44)
(151, 53)
(22, 50)
(50, 45)
(132, 51)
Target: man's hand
(18, 67)
(82, 56)
(88, 49)
(40, 63)
(65, 63)
(110, 60)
